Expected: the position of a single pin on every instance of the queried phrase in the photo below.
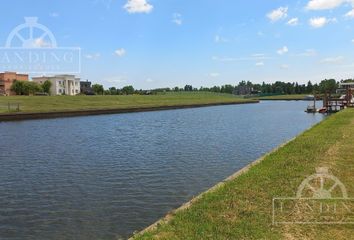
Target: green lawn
(63, 103)
(242, 207)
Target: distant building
(343, 87)
(61, 84)
(243, 90)
(7, 79)
(85, 88)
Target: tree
(31, 88)
(46, 86)
(215, 89)
(328, 86)
(98, 89)
(18, 87)
(188, 88)
(128, 90)
(112, 91)
(227, 89)
(309, 88)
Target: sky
(167, 43)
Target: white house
(343, 87)
(61, 84)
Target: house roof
(346, 84)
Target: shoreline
(287, 99)
(7, 117)
(170, 215)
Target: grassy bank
(242, 208)
(72, 103)
(284, 97)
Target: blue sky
(167, 43)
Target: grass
(71, 103)
(284, 97)
(242, 207)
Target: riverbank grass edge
(40, 104)
(242, 207)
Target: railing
(10, 107)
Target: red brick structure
(7, 79)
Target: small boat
(322, 110)
(311, 109)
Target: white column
(66, 87)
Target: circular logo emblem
(31, 34)
(322, 185)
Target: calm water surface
(104, 177)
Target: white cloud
(324, 4)
(260, 64)
(120, 52)
(278, 14)
(214, 75)
(284, 66)
(149, 80)
(293, 22)
(138, 6)
(116, 79)
(307, 53)
(93, 56)
(350, 14)
(177, 19)
(332, 59)
(283, 50)
(257, 57)
(220, 39)
(224, 59)
(319, 22)
(352, 40)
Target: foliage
(46, 86)
(18, 87)
(98, 89)
(328, 86)
(26, 88)
(188, 88)
(30, 88)
(127, 90)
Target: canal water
(104, 177)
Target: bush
(18, 87)
(29, 88)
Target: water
(104, 177)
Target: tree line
(242, 88)
(277, 88)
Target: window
(59, 82)
(59, 90)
